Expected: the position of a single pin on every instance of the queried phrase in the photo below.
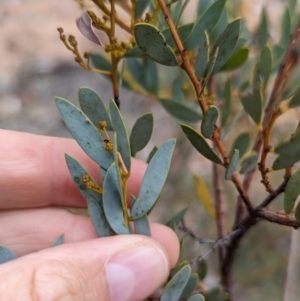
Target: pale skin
(34, 182)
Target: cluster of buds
(108, 145)
(118, 49)
(107, 142)
(89, 184)
(102, 125)
(97, 22)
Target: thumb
(118, 268)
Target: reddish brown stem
(219, 204)
(218, 187)
(197, 86)
(286, 67)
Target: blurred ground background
(35, 66)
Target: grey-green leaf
(151, 154)
(249, 162)
(285, 28)
(100, 62)
(209, 69)
(236, 60)
(232, 123)
(152, 44)
(174, 221)
(93, 106)
(180, 110)
(209, 120)
(121, 75)
(122, 136)
(212, 294)
(226, 43)
(226, 107)
(202, 269)
(133, 200)
(77, 172)
(179, 266)
(242, 143)
(183, 32)
(284, 161)
(253, 105)
(297, 212)
(135, 68)
(183, 7)
(262, 69)
(134, 52)
(176, 285)
(278, 53)
(190, 286)
(112, 202)
(140, 7)
(6, 255)
(223, 296)
(292, 191)
(290, 146)
(207, 21)
(150, 76)
(292, 85)
(240, 43)
(177, 91)
(219, 27)
(215, 294)
(98, 218)
(202, 57)
(141, 133)
(175, 8)
(203, 5)
(263, 30)
(292, 6)
(295, 101)
(196, 297)
(154, 179)
(59, 240)
(142, 226)
(200, 144)
(232, 164)
(84, 132)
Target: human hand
(34, 178)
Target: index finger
(34, 172)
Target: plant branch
(107, 12)
(72, 45)
(220, 242)
(286, 67)
(197, 86)
(243, 224)
(218, 187)
(194, 237)
(265, 151)
(133, 8)
(114, 58)
(220, 211)
(279, 190)
(231, 251)
(280, 219)
(272, 110)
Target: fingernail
(136, 273)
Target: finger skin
(78, 271)
(34, 172)
(32, 230)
